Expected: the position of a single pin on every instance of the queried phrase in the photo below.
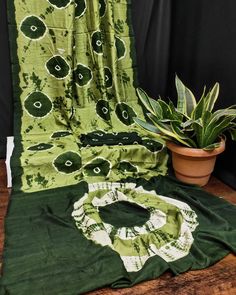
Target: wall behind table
(197, 40)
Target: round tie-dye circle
(83, 75)
(103, 109)
(97, 167)
(97, 42)
(38, 104)
(125, 113)
(33, 27)
(67, 162)
(166, 233)
(58, 67)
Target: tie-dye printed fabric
(76, 75)
(90, 206)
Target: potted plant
(194, 133)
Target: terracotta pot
(193, 165)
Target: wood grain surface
(218, 279)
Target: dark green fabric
(45, 253)
(124, 214)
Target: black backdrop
(194, 38)
(6, 114)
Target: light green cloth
(74, 74)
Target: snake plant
(190, 123)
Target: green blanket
(91, 205)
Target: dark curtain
(203, 51)
(152, 27)
(195, 39)
(6, 113)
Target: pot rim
(195, 152)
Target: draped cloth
(74, 74)
(91, 204)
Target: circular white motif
(57, 68)
(37, 104)
(167, 233)
(97, 170)
(33, 28)
(104, 110)
(68, 163)
(36, 27)
(125, 115)
(98, 42)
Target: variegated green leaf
(214, 130)
(176, 129)
(200, 107)
(157, 110)
(213, 95)
(229, 112)
(145, 99)
(206, 117)
(167, 131)
(166, 110)
(198, 130)
(146, 126)
(175, 113)
(233, 133)
(211, 146)
(189, 123)
(186, 100)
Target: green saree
(76, 76)
(91, 204)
